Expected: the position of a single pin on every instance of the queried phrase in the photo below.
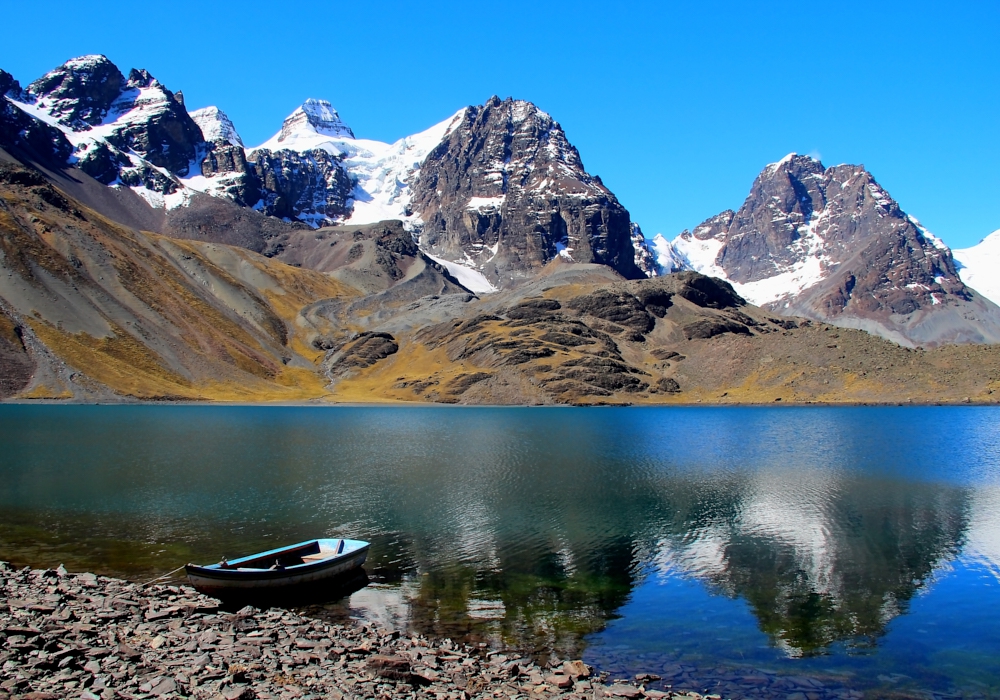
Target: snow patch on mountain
(40, 113)
(811, 267)
(180, 198)
(979, 266)
(934, 240)
(689, 252)
(668, 258)
(382, 172)
(785, 285)
(470, 278)
(214, 185)
(699, 254)
(485, 204)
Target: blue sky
(677, 106)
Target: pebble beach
(85, 636)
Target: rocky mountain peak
(123, 131)
(140, 78)
(216, 126)
(80, 92)
(507, 192)
(8, 85)
(314, 117)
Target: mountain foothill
(148, 254)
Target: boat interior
(284, 558)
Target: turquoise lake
(751, 551)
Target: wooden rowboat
(302, 563)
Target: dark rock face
(311, 187)
(507, 189)
(854, 219)
(710, 328)
(363, 351)
(623, 309)
(222, 158)
(81, 91)
(103, 163)
(533, 309)
(224, 155)
(864, 261)
(8, 85)
(707, 292)
(166, 136)
(24, 135)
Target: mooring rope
(165, 576)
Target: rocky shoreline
(84, 636)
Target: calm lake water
(743, 550)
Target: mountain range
(148, 252)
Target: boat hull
(213, 580)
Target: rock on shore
(85, 636)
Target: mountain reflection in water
(537, 528)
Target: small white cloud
(815, 154)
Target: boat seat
(317, 557)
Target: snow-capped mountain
(308, 127)
(979, 266)
(496, 189)
(831, 244)
(130, 131)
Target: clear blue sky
(677, 106)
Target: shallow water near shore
(728, 549)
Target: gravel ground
(85, 636)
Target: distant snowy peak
(216, 126)
(668, 257)
(979, 266)
(308, 126)
(320, 116)
(325, 175)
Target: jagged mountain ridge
(831, 244)
(133, 132)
